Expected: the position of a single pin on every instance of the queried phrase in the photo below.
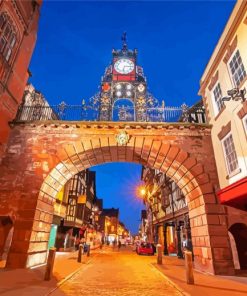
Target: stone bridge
(42, 156)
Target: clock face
(124, 66)
(141, 87)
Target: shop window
(218, 103)
(230, 153)
(237, 68)
(7, 36)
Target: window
(230, 153)
(218, 98)
(237, 68)
(7, 36)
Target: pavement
(23, 282)
(205, 284)
(112, 272)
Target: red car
(145, 248)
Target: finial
(124, 41)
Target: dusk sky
(174, 40)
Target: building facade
(34, 106)
(167, 219)
(143, 227)
(74, 216)
(223, 89)
(110, 222)
(18, 30)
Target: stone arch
(176, 163)
(239, 233)
(44, 157)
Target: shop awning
(235, 195)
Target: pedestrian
(184, 245)
(119, 244)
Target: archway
(42, 157)
(6, 234)
(239, 233)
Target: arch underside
(171, 160)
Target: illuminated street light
(141, 191)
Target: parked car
(145, 249)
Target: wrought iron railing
(124, 113)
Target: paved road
(116, 273)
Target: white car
(135, 245)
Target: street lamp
(141, 191)
(235, 94)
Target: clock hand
(128, 67)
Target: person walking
(114, 244)
(119, 244)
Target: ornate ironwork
(122, 96)
(91, 112)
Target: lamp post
(143, 192)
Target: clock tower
(124, 81)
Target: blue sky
(174, 42)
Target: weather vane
(124, 40)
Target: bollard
(189, 267)
(159, 254)
(49, 264)
(79, 253)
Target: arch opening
(75, 163)
(6, 234)
(238, 232)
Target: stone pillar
(165, 240)
(189, 267)
(31, 232)
(211, 247)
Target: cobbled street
(118, 273)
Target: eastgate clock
(124, 66)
